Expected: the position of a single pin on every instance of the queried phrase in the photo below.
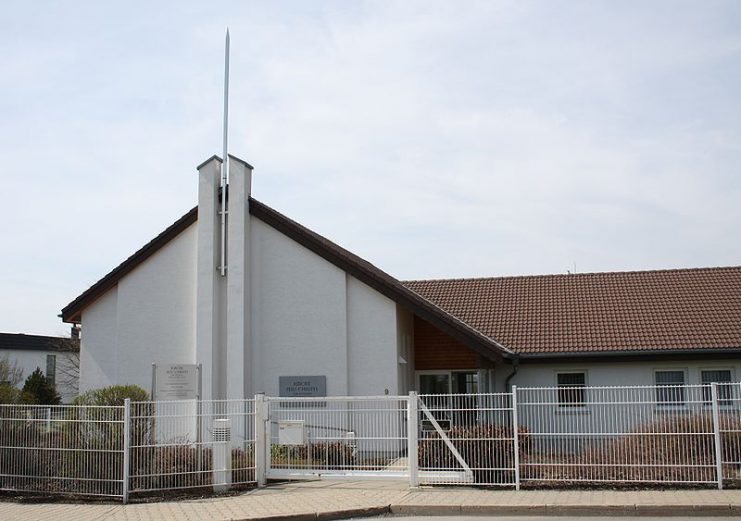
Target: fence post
(126, 449)
(261, 439)
(412, 445)
(716, 433)
(515, 438)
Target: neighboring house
(294, 304)
(57, 357)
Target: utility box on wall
(291, 432)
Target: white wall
(605, 410)
(148, 318)
(28, 360)
(372, 341)
(308, 318)
(99, 342)
(311, 318)
(299, 322)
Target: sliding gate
(345, 436)
(427, 439)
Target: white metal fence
(467, 439)
(337, 436)
(688, 434)
(62, 449)
(191, 444)
(660, 434)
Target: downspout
(515, 364)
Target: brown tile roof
(685, 309)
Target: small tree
(42, 390)
(68, 368)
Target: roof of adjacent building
(638, 311)
(24, 342)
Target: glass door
(437, 385)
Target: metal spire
(225, 157)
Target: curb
(322, 516)
(574, 510)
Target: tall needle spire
(225, 157)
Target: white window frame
(426, 372)
(449, 373)
(733, 398)
(671, 406)
(573, 407)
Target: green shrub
(327, 455)
(334, 455)
(11, 396)
(40, 389)
(112, 396)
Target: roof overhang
(632, 355)
(72, 312)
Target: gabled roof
(640, 311)
(71, 312)
(37, 342)
(340, 257)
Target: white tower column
(238, 313)
(208, 294)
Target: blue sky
(435, 139)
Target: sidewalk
(342, 499)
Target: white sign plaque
(175, 381)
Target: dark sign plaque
(302, 386)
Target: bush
(334, 455)
(40, 389)
(684, 451)
(487, 449)
(112, 396)
(9, 395)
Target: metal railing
(467, 439)
(190, 444)
(62, 449)
(689, 434)
(658, 434)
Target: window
(571, 392)
(719, 376)
(51, 368)
(670, 388)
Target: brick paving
(337, 499)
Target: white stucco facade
(147, 318)
(286, 311)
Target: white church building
(293, 305)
